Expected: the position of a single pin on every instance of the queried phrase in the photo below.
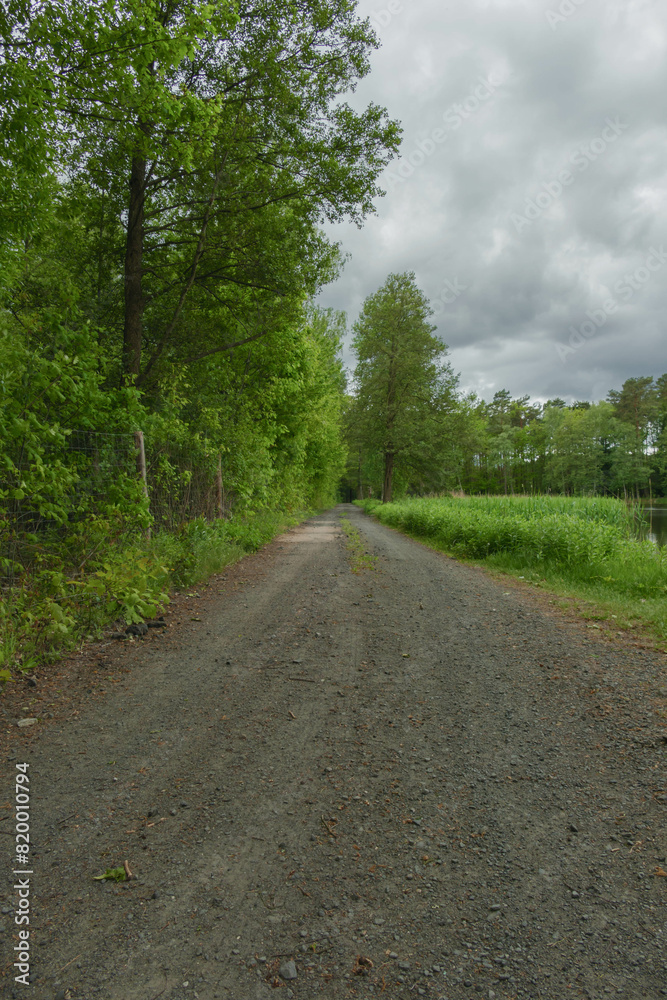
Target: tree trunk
(388, 476)
(134, 250)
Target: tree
(636, 404)
(471, 440)
(404, 388)
(218, 133)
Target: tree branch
(225, 347)
(193, 271)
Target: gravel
(484, 816)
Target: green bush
(54, 613)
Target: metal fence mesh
(90, 475)
(181, 486)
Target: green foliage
(231, 127)
(541, 528)
(130, 585)
(72, 515)
(51, 613)
(585, 547)
(112, 875)
(404, 389)
(616, 446)
(57, 507)
(221, 137)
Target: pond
(655, 512)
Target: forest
(171, 394)
(410, 429)
(614, 447)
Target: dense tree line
(165, 167)
(410, 429)
(615, 446)
(170, 396)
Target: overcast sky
(530, 198)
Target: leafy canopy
(404, 387)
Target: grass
(583, 549)
(51, 613)
(360, 559)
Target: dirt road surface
(414, 781)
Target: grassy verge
(54, 613)
(360, 559)
(582, 550)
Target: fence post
(141, 467)
(218, 487)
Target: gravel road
(414, 781)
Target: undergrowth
(581, 548)
(52, 611)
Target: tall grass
(585, 547)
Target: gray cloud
(552, 113)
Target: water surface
(655, 513)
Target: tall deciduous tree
(404, 388)
(219, 132)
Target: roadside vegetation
(170, 396)
(53, 612)
(360, 558)
(581, 548)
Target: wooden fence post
(141, 468)
(218, 487)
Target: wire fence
(182, 486)
(93, 487)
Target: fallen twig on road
(326, 824)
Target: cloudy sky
(530, 198)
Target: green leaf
(113, 875)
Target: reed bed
(586, 547)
